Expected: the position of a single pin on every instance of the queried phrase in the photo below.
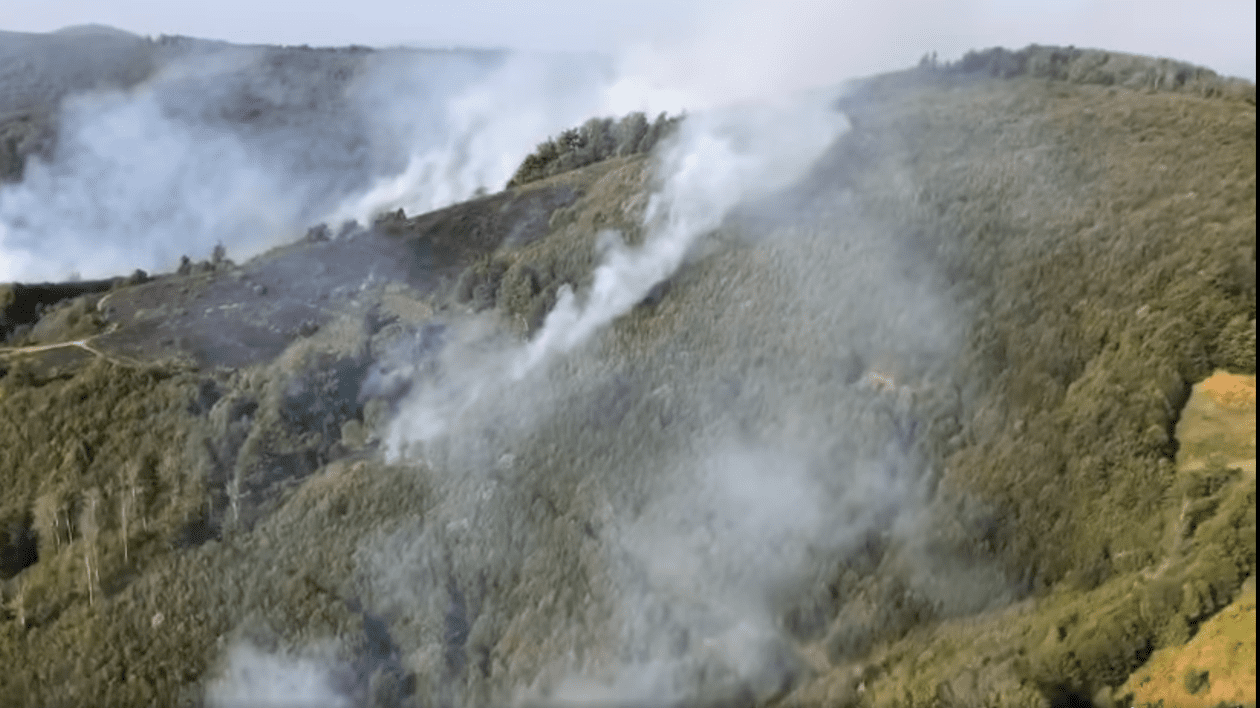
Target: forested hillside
(923, 427)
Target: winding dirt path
(84, 344)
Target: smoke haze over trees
(457, 379)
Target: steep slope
(902, 434)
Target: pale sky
(889, 34)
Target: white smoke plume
(722, 158)
(254, 678)
(477, 134)
(133, 186)
(178, 164)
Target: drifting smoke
(713, 559)
(133, 186)
(477, 134)
(254, 678)
(248, 148)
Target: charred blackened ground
(196, 484)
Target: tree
(47, 513)
(90, 528)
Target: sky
(1219, 34)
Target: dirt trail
(84, 344)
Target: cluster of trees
(1091, 66)
(597, 139)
